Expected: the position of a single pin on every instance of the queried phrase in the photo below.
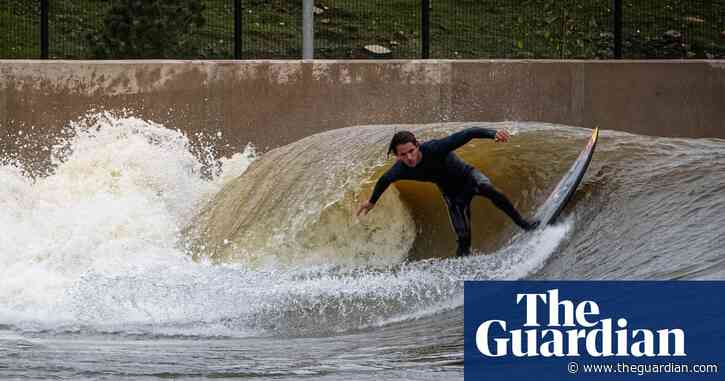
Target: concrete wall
(272, 103)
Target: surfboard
(552, 207)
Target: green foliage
(204, 29)
(149, 29)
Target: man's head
(406, 148)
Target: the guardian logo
(572, 330)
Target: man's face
(409, 154)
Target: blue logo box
(594, 330)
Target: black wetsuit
(458, 181)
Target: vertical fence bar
(308, 34)
(44, 29)
(618, 29)
(237, 29)
(425, 29)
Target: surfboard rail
(550, 210)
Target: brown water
(96, 280)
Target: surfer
(434, 161)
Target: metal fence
(253, 29)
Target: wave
(98, 243)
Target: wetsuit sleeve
(383, 183)
(460, 138)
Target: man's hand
(365, 208)
(502, 136)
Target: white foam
(115, 203)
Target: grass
(459, 28)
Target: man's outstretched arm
(458, 139)
(383, 183)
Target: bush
(149, 29)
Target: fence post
(308, 34)
(237, 29)
(425, 29)
(618, 29)
(44, 29)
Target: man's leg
(486, 189)
(460, 217)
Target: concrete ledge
(272, 103)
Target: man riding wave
(434, 161)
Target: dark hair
(401, 137)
